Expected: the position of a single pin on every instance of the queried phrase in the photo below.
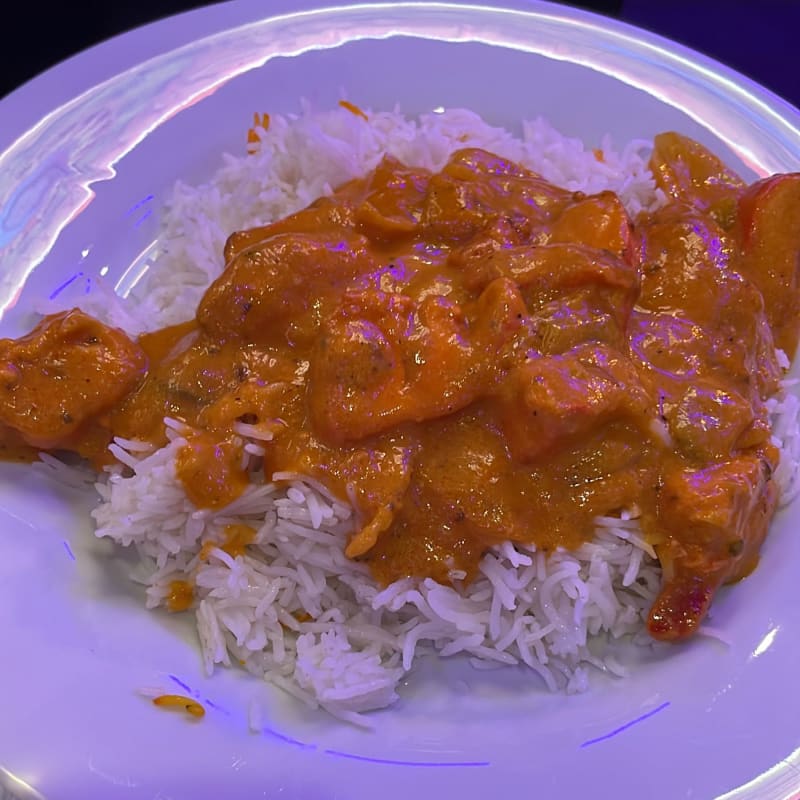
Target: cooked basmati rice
(294, 610)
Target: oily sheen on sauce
(470, 357)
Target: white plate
(89, 151)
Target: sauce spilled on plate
(178, 701)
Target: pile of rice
(293, 609)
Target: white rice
(294, 610)
(358, 640)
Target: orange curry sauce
(470, 357)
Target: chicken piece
(474, 163)
(769, 222)
(673, 353)
(279, 280)
(462, 496)
(704, 384)
(325, 215)
(744, 325)
(383, 360)
(574, 293)
(455, 210)
(689, 270)
(599, 222)
(393, 204)
(582, 316)
(717, 518)
(551, 401)
(708, 421)
(671, 346)
(519, 190)
(357, 377)
(686, 264)
(688, 172)
(68, 371)
(474, 260)
(475, 188)
(546, 272)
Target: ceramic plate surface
(88, 152)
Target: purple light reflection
(712, 244)
(627, 725)
(144, 216)
(395, 763)
(188, 689)
(180, 683)
(288, 739)
(137, 206)
(57, 291)
(68, 549)
(265, 730)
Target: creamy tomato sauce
(470, 357)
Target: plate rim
(771, 100)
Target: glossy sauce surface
(476, 356)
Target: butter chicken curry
(470, 357)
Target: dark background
(757, 37)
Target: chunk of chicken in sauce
(471, 357)
(57, 381)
